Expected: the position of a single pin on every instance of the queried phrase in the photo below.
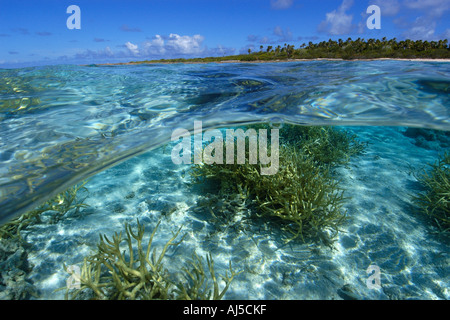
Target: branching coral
(197, 284)
(139, 273)
(327, 145)
(303, 193)
(435, 201)
(59, 205)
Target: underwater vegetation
(138, 272)
(435, 200)
(58, 206)
(326, 145)
(429, 138)
(303, 195)
(14, 265)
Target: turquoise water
(112, 125)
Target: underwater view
(303, 180)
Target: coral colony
(213, 152)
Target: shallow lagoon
(61, 125)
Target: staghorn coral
(303, 194)
(435, 200)
(139, 273)
(327, 145)
(58, 205)
(14, 265)
(196, 286)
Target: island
(359, 49)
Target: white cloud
(108, 52)
(434, 8)
(133, 48)
(154, 46)
(281, 4)
(159, 46)
(338, 21)
(424, 26)
(174, 45)
(185, 44)
(420, 30)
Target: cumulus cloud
(173, 45)
(424, 26)
(133, 48)
(185, 44)
(156, 47)
(338, 22)
(281, 4)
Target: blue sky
(34, 32)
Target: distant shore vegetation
(341, 49)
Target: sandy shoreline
(270, 61)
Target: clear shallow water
(60, 125)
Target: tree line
(357, 49)
(341, 49)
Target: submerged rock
(14, 270)
(348, 293)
